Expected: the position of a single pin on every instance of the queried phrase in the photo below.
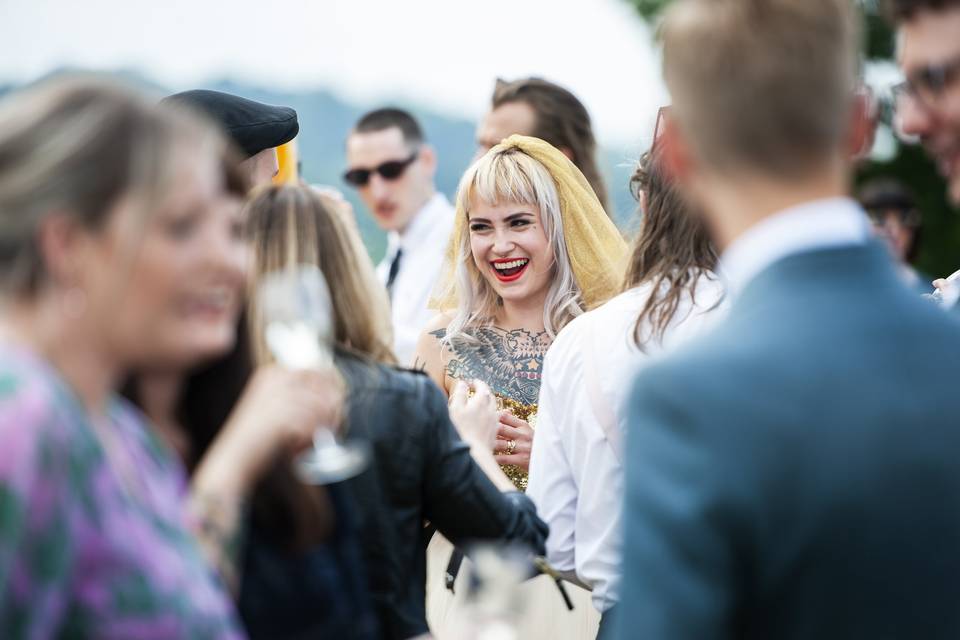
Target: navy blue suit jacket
(796, 473)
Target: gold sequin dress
(527, 413)
(547, 617)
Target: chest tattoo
(510, 362)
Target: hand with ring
(514, 441)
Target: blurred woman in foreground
(102, 198)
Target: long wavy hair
(671, 251)
(290, 225)
(503, 176)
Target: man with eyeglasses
(392, 168)
(928, 101)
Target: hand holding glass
(298, 329)
(947, 291)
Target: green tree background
(940, 242)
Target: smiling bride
(532, 248)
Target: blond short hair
(761, 85)
(511, 176)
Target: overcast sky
(442, 54)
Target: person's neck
(67, 344)
(523, 314)
(733, 206)
(159, 393)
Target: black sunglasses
(388, 171)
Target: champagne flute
(948, 296)
(297, 315)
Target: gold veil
(596, 249)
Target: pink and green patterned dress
(84, 554)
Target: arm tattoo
(510, 362)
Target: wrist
(480, 449)
(230, 467)
(483, 456)
(479, 444)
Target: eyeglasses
(390, 170)
(926, 86)
(908, 216)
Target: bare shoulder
(430, 350)
(438, 322)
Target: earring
(74, 302)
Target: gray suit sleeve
(679, 559)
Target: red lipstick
(509, 269)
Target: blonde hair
(76, 146)
(290, 225)
(761, 84)
(502, 176)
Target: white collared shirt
(576, 480)
(819, 224)
(424, 243)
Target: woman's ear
(61, 243)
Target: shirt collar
(418, 231)
(819, 224)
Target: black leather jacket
(422, 471)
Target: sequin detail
(528, 413)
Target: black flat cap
(253, 126)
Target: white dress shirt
(819, 224)
(424, 243)
(576, 479)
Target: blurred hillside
(325, 121)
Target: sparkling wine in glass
(298, 328)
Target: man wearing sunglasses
(392, 168)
